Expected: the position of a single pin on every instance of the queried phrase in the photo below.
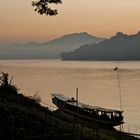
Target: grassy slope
(24, 118)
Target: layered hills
(119, 47)
(51, 49)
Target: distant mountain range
(118, 47)
(51, 49)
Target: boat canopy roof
(60, 96)
(82, 105)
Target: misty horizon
(101, 18)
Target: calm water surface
(97, 83)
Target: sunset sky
(102, 18)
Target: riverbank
(24, 118)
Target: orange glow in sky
(103, 18)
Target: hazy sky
(19, 22)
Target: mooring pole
(77, 97)
(77, 116)
(119, 85)
(120, 96)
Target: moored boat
(99, 115)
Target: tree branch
(41, 6)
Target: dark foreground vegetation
(23, 118)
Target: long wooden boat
(102, 116)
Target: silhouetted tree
(42, 7)
(6, 85)
(4, 79)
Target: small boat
(99, 115)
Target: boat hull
(85, 113)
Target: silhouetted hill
(24, 118)
(118, 47)
(50, 49)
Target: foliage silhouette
(23, 117)
(42, 7)
(5, 84)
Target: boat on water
(99, 115)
